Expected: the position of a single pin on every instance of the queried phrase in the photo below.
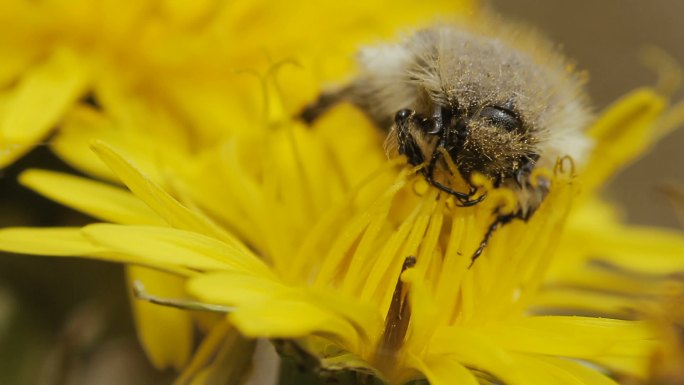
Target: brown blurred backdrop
(606, 37)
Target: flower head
(355, 257)
(311, 236)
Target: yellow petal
(199, 378)
(644, 249)
(545, 372)
(237, 289)
(638, 104)
(581, 337)
(583, 300)
(15, 61)
(157, 142)
(425, 312)
(234, 289)
(175, 247)
(9, 152)
(622, 133)
(286, 318)
(358, 149)
(210, 344)
(165, 333)
(71, 242)
(633, 366)
(444, 370)
(53, 241)
(204, 182)
(594, 212)
(583, 373)
(363, 315)
(99, 200)
(71, 143)
(42, 97)
(206, 105)
(476, 352)
(187, 12)
(156, 198)
(609, 279)
(231, 363)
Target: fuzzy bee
(495, 99)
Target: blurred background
(68, 321)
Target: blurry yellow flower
(193, 60)
(332, 230)
(163, 79)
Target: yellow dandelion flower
(304, 235)
(297, 233)
(163, 76)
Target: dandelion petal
(445, 370)
(174, 247)
(40, 99)
(228, 288)
(154, 196)
(580, 337)
(643, 249)
(291, 318)
(53, 241)
(585, 374)
(100, 200)
(165, 333)
(478, 352)
(623, 133)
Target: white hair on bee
(387, 89)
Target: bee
(488, 98)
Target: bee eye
(501, 117)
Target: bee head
(491, 140)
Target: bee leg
(429, 171)
(463, 198)
(498, 222)
(409, 147)
(351, 93)
(501, 220)
(324, 102)
(407, 144)
(468, 201)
